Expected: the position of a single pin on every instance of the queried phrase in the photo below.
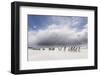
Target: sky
(49, 30)
(36, 22)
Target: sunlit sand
(56, 54)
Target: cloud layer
(58, 35)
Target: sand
(37, 55)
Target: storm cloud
(58, 35)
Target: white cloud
(57, 35)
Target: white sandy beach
(46, 54)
